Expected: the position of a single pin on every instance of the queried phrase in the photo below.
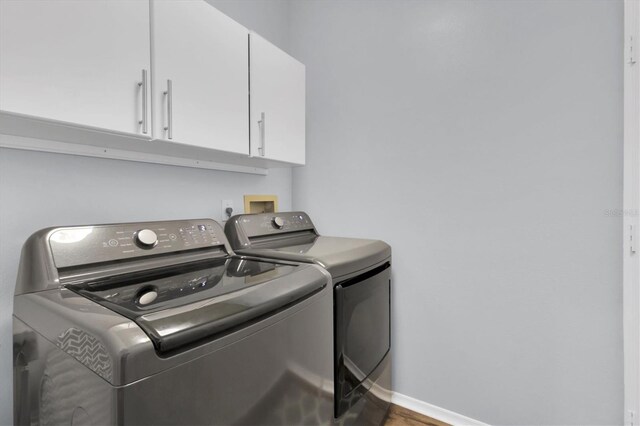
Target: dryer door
(362, 332)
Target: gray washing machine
(361, 273)
(160, 323)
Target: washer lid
(186, 304)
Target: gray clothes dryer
(160, 323)
(361, 275)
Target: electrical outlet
(226, 214)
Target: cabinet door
(277, 103)
(75, 61)
(205, 56)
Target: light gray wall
(483, 140)
(269, 18)
(39, 190)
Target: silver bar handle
(169, 94)
(261, 123)
(143, 85)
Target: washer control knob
(146, 238)
(278, 222)
(147, 297)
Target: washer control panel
(85, 245)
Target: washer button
(147, 297)
(113, 242)
(146, 238)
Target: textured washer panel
(88, 350)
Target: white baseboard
(433, 411)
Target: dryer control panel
(241, 228)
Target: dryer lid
(339, 256)
(294, 237)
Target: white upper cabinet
(277, 103)
(75, 61)
(200, 81)
(166, 81)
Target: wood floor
(400, 416)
